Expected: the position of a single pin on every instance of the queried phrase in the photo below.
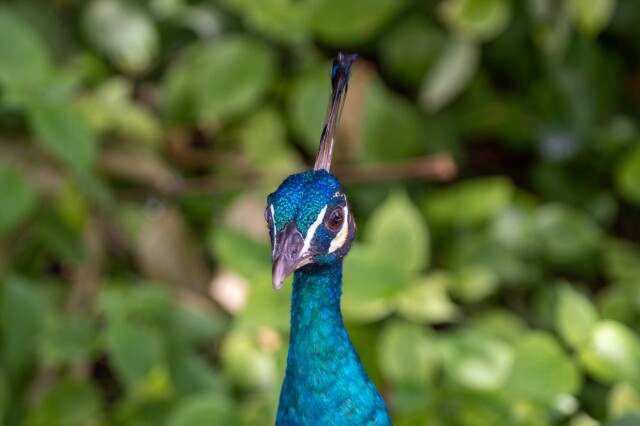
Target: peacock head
(309, 223)
(308, 215)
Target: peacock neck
(315, 302)
(325, 382)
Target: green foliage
(138, 141)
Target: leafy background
(490, 150)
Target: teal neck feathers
(325, 381)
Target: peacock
(311, 230)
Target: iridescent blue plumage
(311, 231)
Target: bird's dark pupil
(335, 220)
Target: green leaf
(477, 19)
(230, 76)
(397, 234)
(541, 370)
(477, 361)
(60, 130)
(241, 253)
(202, 409)
(501, 324)
(15, 187)
(264, 142)
(427, 300)
(473, 283)
(627, 175)
(24, 58)
(369, 285)
(135, 352)
(469, 202)
(347, 23)
(4, 396)
(411, 48)
(567, 235)
(407, 354)
(69, 403)
(592, 16)
(575, 316)
(394, 129)
(25, 307)
(613, 353)
(123, 32)
(307, 105)
(67, 339)
(245, 363)
(452, 72)
(284, 21)
(623, 399)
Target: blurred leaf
(369, 286)
(567, 234)
(468, 203)
(307, 106)
(514, 227)
(201, 409)
(245, 364)
(69, 403)
(221, 79)
(575, 316)
(349, 23)
(397, 234)
(593, 16)
(266, 307)
(502, 324)
(264, 142)
(136, 352)
(123, 32)
(58, 238)
(230, 76)
(473, 283)
(453, 70)
(67, 339)
(477, 361)
(410, 49)
(190, 327)
(393, 128)
(622, 261)
(283, 20)
(627, 175)
(143, 304)
(240, 253)
(24, 58)
(109, 108)
(25, 308)
(613, 353)
(407, 354)
(17, 188)
(62, 131)
(477, 19)
(541, 370)
(4, 396)
(427, 300)
(194, 373)
(623, 399)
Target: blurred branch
(439, 167)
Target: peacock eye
(335, 219)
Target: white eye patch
(340, 239)
(312, 231)
(273, 225)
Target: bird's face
(309, 223)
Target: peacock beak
(287, 254)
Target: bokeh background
(490, 150)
